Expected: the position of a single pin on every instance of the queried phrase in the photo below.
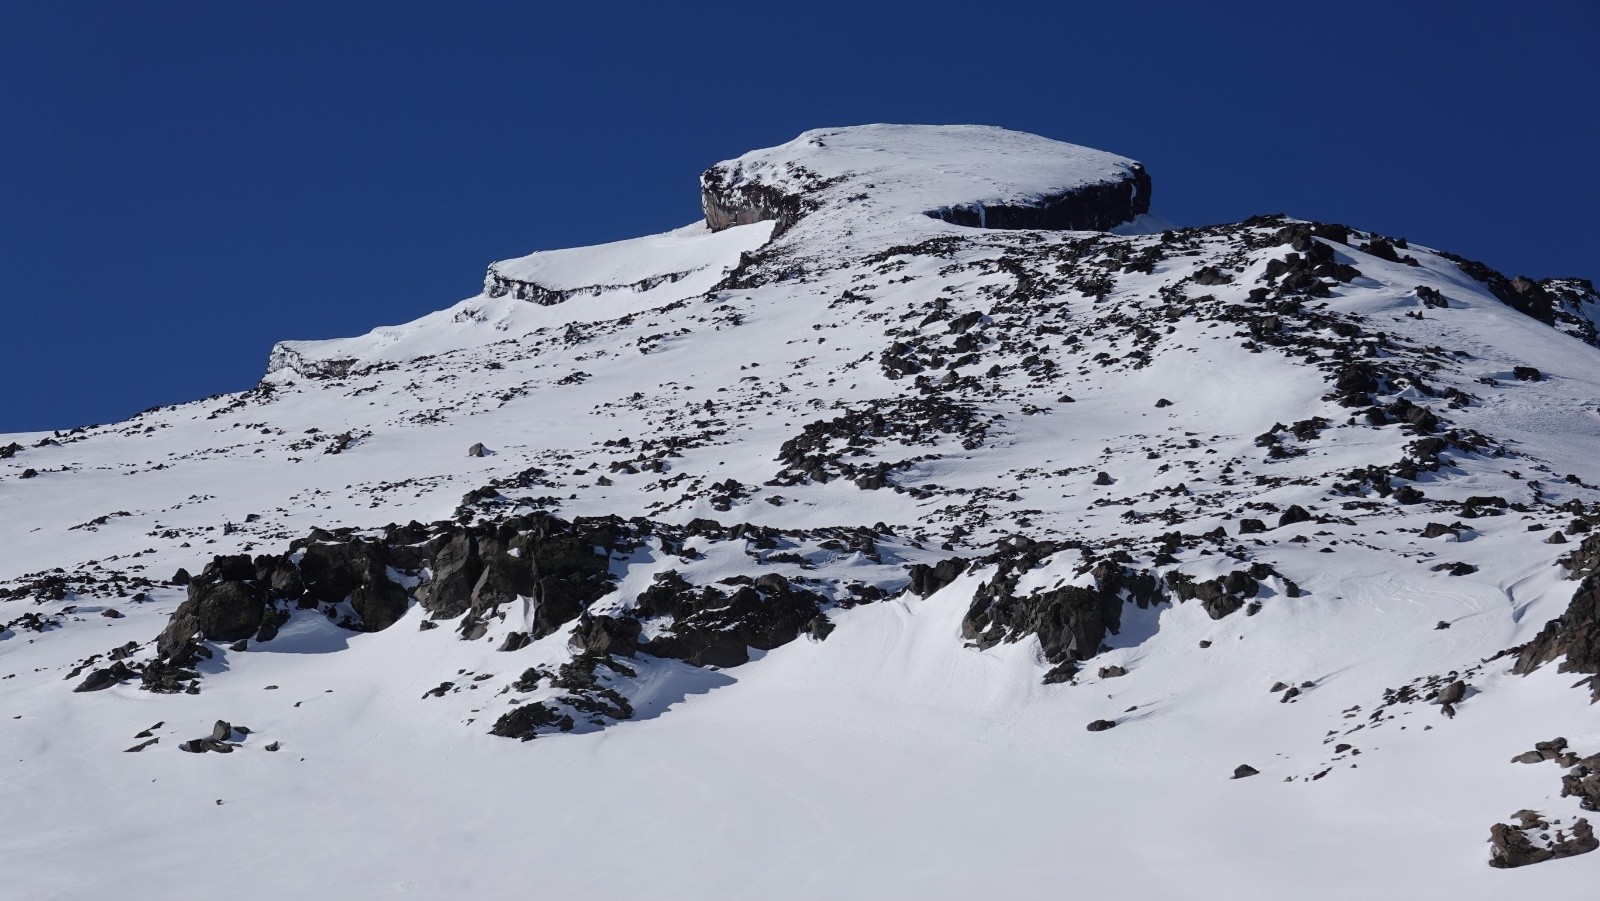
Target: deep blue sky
(182, 184)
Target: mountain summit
(972, 175)
(929, 519)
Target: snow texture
(849, 395)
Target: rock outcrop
(1071, 622)
(358, 580)
(1097, 207)
(1575, 634)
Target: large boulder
(1071, 622)
(597, 635)
(331, 571)
(219, 611)
(356, 571)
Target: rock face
(225, 603)
(710, 627)
(727, 201)
(928, 578)
(474, 569)
(1070, 622)
(561, 567)
(1096, 207)
(1575, 635)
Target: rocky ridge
(1082, 440)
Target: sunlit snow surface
(889, 760)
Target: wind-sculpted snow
(862, 539)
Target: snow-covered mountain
(930, 520)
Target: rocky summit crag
(929, 476)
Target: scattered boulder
(524, 722)
(1526, 843)
(1245, 770)
(101, 679)
(225, 610)
(1295, 514)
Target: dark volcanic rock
(925, 579)
(1245, 770)
(1071, 622)
(524, 722)
(711, 628)
(515, 641)
(456, 569)
(1575, 634)
(1090, 208)
(1219, 597)
(330, 572)
(102, 679)
(1582, 781)
(562, 566)
(379, 602)
(219, 611)
(1295, 514)
(606, 635)
(1510, 845)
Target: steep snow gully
(929, 520)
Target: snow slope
(1045, 401)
